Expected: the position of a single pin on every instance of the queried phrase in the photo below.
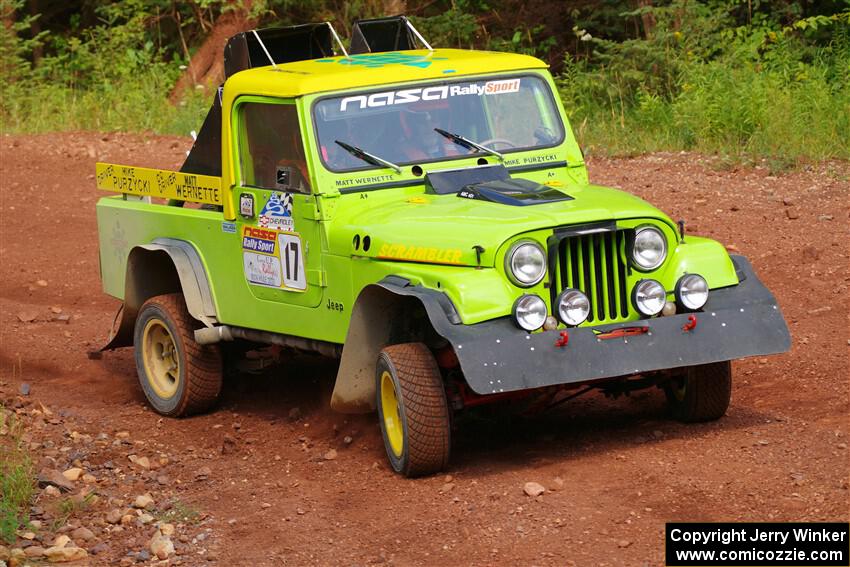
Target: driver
(420, 141)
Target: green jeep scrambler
(425, 216)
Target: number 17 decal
(293, 261)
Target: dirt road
(256, 483)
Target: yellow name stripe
(159, 183)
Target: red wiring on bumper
(624, 332)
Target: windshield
(507, 115)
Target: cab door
(277, 220)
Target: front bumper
(738, 321)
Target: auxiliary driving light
(530, 312)
(573, 307)
(649, 297)
(692, 291)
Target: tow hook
(691, 324)
(564, 340)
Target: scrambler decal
(277, 212)
(273, 259)
(419, 254)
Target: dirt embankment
(274, 478)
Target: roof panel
(372, 69)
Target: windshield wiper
(469, 144)
(367, 157)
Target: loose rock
(34, 551)
(161, 545)
(143, 501)
(82, 534)
(52, 477)
(73, 474)
(533, 489)
(27, 316)
(65, 554)
(228, 445)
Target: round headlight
(692, 291)
(530, 312)
(573, 307)
(650, 248)
(649, 297)
(525, 263)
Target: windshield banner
(439, 92)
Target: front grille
(595, 264)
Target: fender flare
(148, 276)
(374, 325)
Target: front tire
(178, 376)
(702, 393)
(413, 410)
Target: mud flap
(121, 332)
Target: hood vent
(492, 183)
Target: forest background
(751, 81)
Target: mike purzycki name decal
(740, 544)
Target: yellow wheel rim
(159, 353)
(389, 408)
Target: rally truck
(425, 216)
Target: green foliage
(16, 477)
(701, 83)
(15, 50)
(109, 77)
(69, 506)
(179, 511)
(744, 78)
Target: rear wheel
(413, 410)
(702, 393)
(178, 376)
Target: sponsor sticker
(273, 259)
(277, 212)
(261, 269)
(246, 205)
(292, 259)
(229, 227)
(438, 92)
(259, 240)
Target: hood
(446, 228)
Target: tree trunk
(206, 67)
(35, 26)
(648, 18)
